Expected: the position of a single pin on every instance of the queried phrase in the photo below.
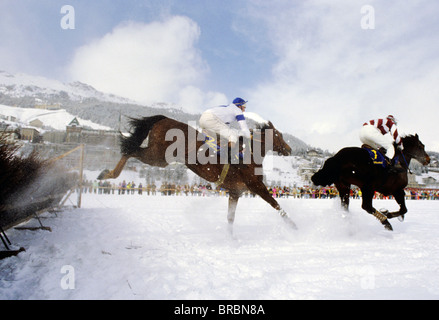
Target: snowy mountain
(80, 100)
(85, 102)
(40, 88)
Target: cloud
(154, 62)
(191, 96)
(331, 75)
(20, 38)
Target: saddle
(212, 142)
(377, 156)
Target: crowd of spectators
(169, 189)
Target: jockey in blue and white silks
(218, 120)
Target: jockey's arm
(245, 132)
(396, 136)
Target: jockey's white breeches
(211, 122)
(373, 137)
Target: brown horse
(173, 141)
(355, 166)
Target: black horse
(354, 166)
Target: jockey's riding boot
(236, 154)
(395, 166)
(383, 150)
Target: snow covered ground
(157, 247)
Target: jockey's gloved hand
(400, 147)
(246, 144)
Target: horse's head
(414, 148)
(273, 139)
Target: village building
(76, 133)
(30, 134)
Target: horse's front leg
(258, 187)
(233, 202)
(367, 205)
(400, 199)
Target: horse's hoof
(387, 225)
(383, 219)
(104, 174)
(290, 222)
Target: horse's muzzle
(287, 151)
(427, 160)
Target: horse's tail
(328, 174)
(139, 131)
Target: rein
(223, 175)
(406, 163)
(254, 139)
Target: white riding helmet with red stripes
(392, 118)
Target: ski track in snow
(178, 247)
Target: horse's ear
(417, 137)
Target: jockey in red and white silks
(381, 133)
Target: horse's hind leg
(344, 191)
(113, 174)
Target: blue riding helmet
(239, 102)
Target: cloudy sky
(316, 69)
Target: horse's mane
(263, 126)
(260, 123)
(409, 138)
(259, 128)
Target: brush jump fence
(45, 187)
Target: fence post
(81, 170)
